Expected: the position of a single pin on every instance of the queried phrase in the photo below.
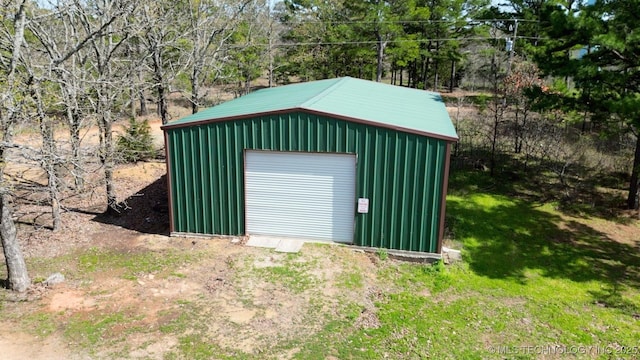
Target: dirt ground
(221, 281)
(243, 313)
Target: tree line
(79, 63)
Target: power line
(373, 42)
(468, 21)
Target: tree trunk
(162, 104)
(50, 155)
(516, 129)
(74, 131)
(247, 85)
(436, 76)
(453, 76)
(143, 100)
(195, 88)
(17, 275)
(18, 278)
(160, 89)
(143, 103)
(412, 81)
(494, 140)
(270, 52)
(55, 199)
(109, 165)
(381, 45)
(70, 96)
(425, 71)
(106, 147)
(497, 103)
(633, 185)
(132, 100)
(436, 68)
(112, 200)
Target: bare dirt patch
(21, 345)
(70, 300)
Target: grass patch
(91, 329)
(531, 276)
(187, 317)
(190, 324)
(411, 277)
(383, 254)
(41, 268)
(40, 323)
(292, 273)
(132, 265)
(350, 279)
(330, 338)
(194, 347)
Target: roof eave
(315, 112)
(226, 118)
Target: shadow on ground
(503, 237)
(146, 211)
(584, 193)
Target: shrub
(136, 143)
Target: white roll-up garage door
(305, 195)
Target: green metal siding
(401, 173)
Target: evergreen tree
(598, 47)
(136, 143)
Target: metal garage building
(343, 160)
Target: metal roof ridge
(314, 99)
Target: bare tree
(562, 151)
(12, 39)
(58, 42)
(162, 31)
(49, 155)
(274, 29)
(64, 38)
(211, 26)
(496, 106)
(523, 76)
(109, 19)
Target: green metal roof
(384, 105)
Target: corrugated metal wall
(402, 175)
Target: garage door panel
(320, 212)
(306, 195)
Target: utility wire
(372, 42)
(468, 21)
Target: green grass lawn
(534, 283)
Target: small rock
(453, 255)
(151, 276)
(140, 282)
(53, 279)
